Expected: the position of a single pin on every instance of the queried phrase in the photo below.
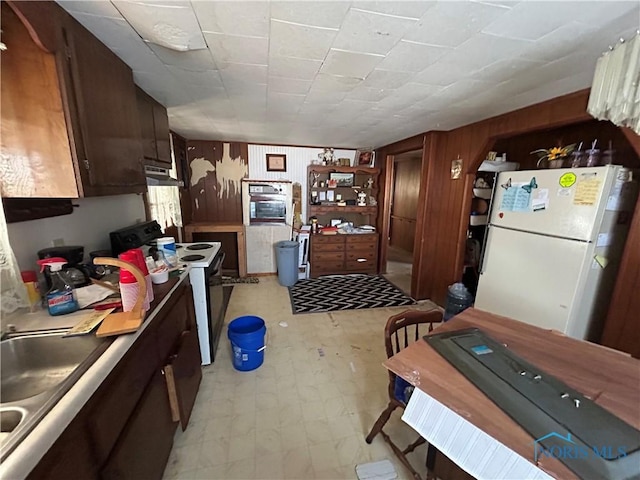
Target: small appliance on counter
(75, 271)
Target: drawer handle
(361, 260)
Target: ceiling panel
(379, 78)
(235, 18)
(350, 64)
(289, 67)
(412, 57)
(452, 23)
(318, 14)
(300, 41)
(237, 49)
(370, 32)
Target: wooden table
(609, 377)
(222, 227)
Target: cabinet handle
(361, 260)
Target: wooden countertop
(609, 377)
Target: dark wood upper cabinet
(154, 127)
(69, 119)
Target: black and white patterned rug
(345, 292)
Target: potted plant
(554, 156)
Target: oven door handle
(217, 263)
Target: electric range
(205, 274)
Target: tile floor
(305, 412)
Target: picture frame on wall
(276, 162)
(365, 157)
(342, 179)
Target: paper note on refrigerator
(587, 192)
(516, 199)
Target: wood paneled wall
(215, 172)
(622, 328)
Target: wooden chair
(402, 329)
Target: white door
(560, 202)
(531, 278)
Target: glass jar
(593, 158)
(608, 157)
(577, 159)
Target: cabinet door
(184, 374)
(147, 127)
(161, 134)
(36, 158)
(104, 115)
(143, 448)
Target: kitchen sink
(36, 370)
(33, 364)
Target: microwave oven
(267, 208)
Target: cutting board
(88, 322)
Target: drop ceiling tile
(102, 9)
(319, 14)
(484, 49)
(300, 41)
(452, 23)
(533, 20)
(332, 83)
(207, 77)
(288, 85)
(237, 49)
(505, 69)
(371, 32)
(411, 9)
(412, 57)
(559, 42)
(290, 67)
(113, 32)
(315, 97)
(387, 79)
(350, 64)
(174, 27)
(366, 94)
(443, 73)
(243, 74)
(602, 13)
(235, 18)
(192, 60)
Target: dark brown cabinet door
(143, 448)
(154, 126)
(147, 127)
(184, 374)
(161, 123)
(104, 115)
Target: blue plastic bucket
(246, 335)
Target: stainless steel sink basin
(36, 370)
(33, 364)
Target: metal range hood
(160, 177)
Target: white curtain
(13, 294)
(164, 206)
(615, 93)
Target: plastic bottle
(60, 298)
(458, 299)
(128, 284)
(30, 280)
(167, 247)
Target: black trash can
(287, 252)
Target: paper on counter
(91, 294)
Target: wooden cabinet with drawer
(344, 254)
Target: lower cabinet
(126, 428)
(143, 447)
(335, 254)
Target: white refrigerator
(554, 244)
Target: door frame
(385, 221)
